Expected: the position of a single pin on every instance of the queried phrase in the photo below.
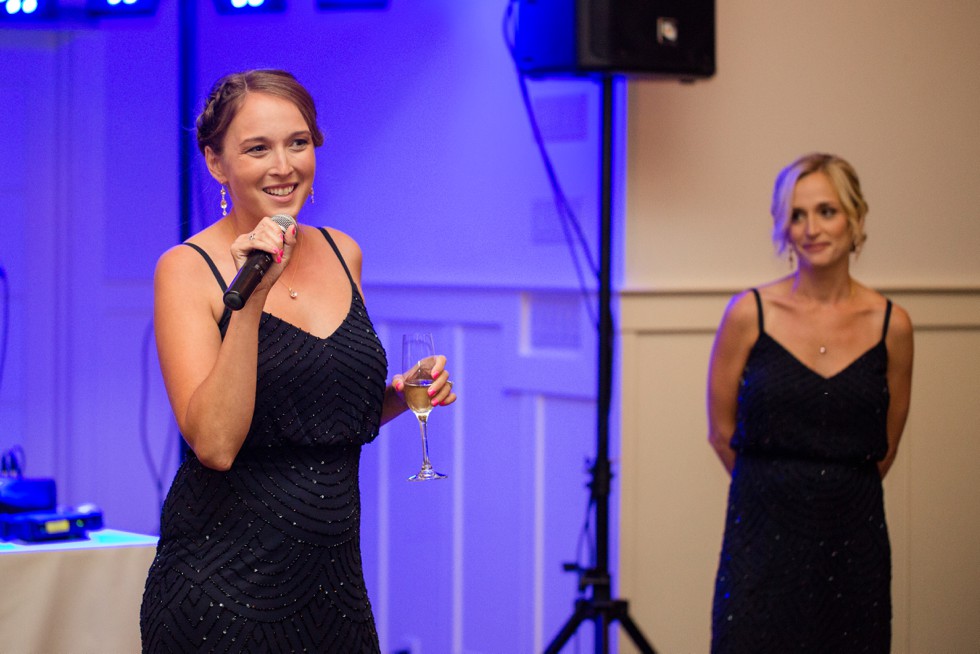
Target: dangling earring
(312, 199)
(792, 260)
(224, 203)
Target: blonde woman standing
(808, 393)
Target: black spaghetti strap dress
(266, 556)
(805, 564)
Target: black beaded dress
(805, 563)
(266, 556)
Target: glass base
(425, 474)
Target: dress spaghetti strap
(214, 268)
(226, 314)
(326, 235)
(758, 304)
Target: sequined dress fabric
(266, 556)
(805, 563)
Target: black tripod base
(604, 613)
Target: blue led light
(27, 11)
(16, 6)
(352, 4)
(249, 6)
(108, 8)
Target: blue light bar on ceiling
(249, 6)
(106, 8)
(351, 4)
(27, 11)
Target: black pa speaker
(657, 38)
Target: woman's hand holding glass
(424, 384)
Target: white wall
(890, 86)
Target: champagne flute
(418, 355)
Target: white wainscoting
(474, 563)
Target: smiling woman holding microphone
(260, 535)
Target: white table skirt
(76, 597)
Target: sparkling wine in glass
(418, 355)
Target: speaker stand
(601, 607)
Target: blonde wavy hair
(845, 181)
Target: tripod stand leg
(602, 623)
(568, 630)
(635, 634)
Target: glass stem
(423, 424)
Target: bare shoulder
(876, 302)
(778, 292)
(899, 342)
(742, 313)
(900, 324)
(349, 250)
(736, 335)
(345, 243)
(182, 278)
(186, 262)
(901, 318)
(739, 327)
(177, 262)
(899, 335)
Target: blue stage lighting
(103, 8)
(249, 6)
(352, 4)
(27, 11)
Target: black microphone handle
(247, 279)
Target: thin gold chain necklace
(293, 294)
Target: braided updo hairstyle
(228, 94)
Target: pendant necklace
(823, 349)
(292, 293)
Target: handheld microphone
(250, 274)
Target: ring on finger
(251, 236)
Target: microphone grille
(285, 221)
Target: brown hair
(845, 181)
(228, 94)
